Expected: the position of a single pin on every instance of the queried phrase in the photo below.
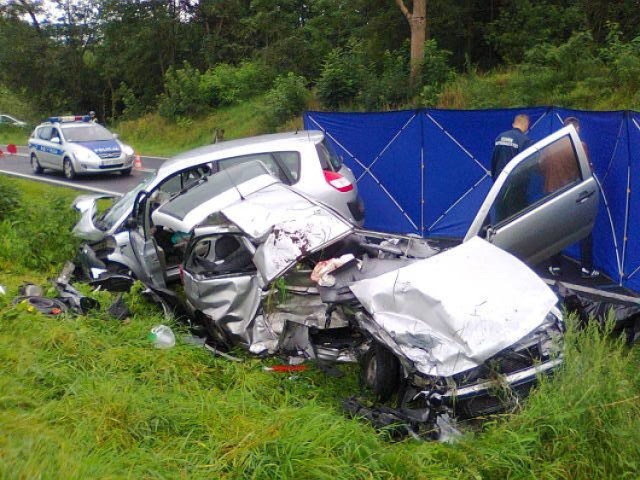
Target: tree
(419, 34)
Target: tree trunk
(419, 34)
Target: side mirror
(116, 136)
(56, 140)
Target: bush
(436, 72)
(132, 107)
(183, 95)
(388, 88)
(37, 236)
(287, 98)
(229, 85)
(342, 77)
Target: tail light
(337, 181)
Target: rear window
(214, 185)
(329, 159)
(285, 166)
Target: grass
(89, 397)
(153, 135)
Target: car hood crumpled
(449, 313)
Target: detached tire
(35, 165)
(69, 171)
(381, 371)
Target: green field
(89, 397)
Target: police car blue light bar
(70, 118)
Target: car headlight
(82, 155)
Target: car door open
(544, 200)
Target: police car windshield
(86, 133)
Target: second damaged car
(443, 330)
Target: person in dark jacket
(506, 146)
(510, 143)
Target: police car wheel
(125, 172)
(69, 172)
(35, 165)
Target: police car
(76, 145)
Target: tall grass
(89, 397)
(154, 135)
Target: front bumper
(491, 396)
(105, 165)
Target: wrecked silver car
(444, 330)
(458, 330)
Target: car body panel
(302, 142)
(560, 211)
(453, 311)
(9, 120)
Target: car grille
(504, 364)
(109, 155)
(116, 165)
(494, 402)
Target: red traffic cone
(137, 164)
(12, 149)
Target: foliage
(37, 235)
(9, 198)
(152, 134)
(183, 94)
(523, 24)
(389, 87)
(226, 84)
(287, 98)
(342, 78)
(576, 74)
(436, 72)
(623, 59)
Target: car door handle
(583, 196)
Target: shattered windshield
(84, 133)
(109, 217)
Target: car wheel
(125, 172)
(381, 371)
(69, 172)
(35, 165)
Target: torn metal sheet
(87, 206)
(451, 312)
(293, 226)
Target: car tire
(126, 172)
(381, 371)
(35, 165)
(68, 169)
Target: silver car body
(9, 120)
(88, 146)
(309, 157)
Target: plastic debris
(162, 337)
(285, 368)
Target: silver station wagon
(76, 145)
(303, 160)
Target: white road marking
(64, 184)
(26, 155)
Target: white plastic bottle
(162, 337)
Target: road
(113, 183)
